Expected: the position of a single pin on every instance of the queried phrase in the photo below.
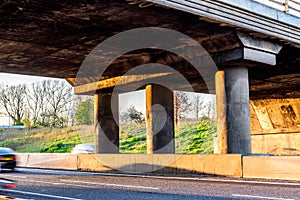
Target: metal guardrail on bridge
(291, 7)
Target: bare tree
(47, 102)
(12, 99)
(197, 105)
(181, 105)
(211, 108)
(59, 96)
(37, 101)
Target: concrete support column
(159, 119)
(233, 110)
(220, 139)
(106, 132)
(237, 110)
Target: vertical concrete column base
(106, 132)
(159, 119)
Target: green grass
(45, 140)
(189, 138)
(133, 138)
(195, 137)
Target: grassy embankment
(189, 138)
(46, 139)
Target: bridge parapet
(274, 18)
(291, 7)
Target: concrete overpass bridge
(254, 45)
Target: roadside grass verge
(46, 140)
(190, 138)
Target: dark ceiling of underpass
(52, 38)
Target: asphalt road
(54, 184)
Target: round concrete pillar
(220, 138)
(237, 110)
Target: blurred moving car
(83, 148)
(6, 183)
(8, 159)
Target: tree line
(46, 103)
(52, 103)
(193, 106)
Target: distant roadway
(72, 185)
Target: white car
(83, 148)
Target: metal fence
(291, 7)
(12, 127)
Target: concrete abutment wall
(231, 165)
(275, 126)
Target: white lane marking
(53, 183)
(226, 181)
(259, 197)
(91, 183)
(22, 177)
(42, 195)
(167, 178)
(112, 184)
(252, 182)
(175, 178)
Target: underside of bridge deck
(53, 38)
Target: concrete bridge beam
(106, 134)
(233, 111)
(159, 119)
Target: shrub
(57, 147)
(26, 123)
